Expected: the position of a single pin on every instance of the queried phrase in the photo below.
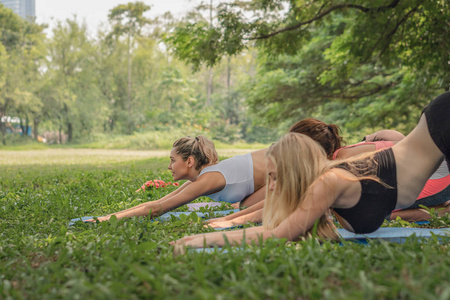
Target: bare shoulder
(347, 187)
(337, 176)
(355, 150)
(209, 183)
(329, 187)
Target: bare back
(417, 158)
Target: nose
(169, 166)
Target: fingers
(179, 250)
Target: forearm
(137, 211)
(145, 208)
(242, 213)
(254, 217)
(248, 235)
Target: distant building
(24, 8)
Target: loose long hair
(200, 148)
(299, 162)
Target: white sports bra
(238, 174)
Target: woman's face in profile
(178, 166)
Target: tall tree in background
(21, 52)
(128, 20)
(68, 62)
(366, 52)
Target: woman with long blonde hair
(360, 191)
(288, 186)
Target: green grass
(150, 140)
(41, 257)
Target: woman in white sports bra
(195, 159)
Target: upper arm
(322, 194)
(206, 184)
(355, 150)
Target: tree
(70, 70)
(21, 53)
(128, 20)
(313, 53)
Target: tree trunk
(22, 126)
(27, 126)
(3, 133)
(130, 117)
(69, 132)
(60, 134)
(209, 90)
(112, 124)
(35, 128)
(3, 129)
(3, 124)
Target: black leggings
(438, 121)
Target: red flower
(156, 183)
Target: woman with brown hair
(435, 194)
(327, 135)
(239, 179)
(303, 186)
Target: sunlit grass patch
(41, 257)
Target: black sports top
(376, 201)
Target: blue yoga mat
(168, 216)
(394, 234)
(390, 234)
(197, 206)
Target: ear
(190, 161)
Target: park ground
(42, 257)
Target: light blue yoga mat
(168, 216)
(390, 234)
(197, 206)
(395, 234)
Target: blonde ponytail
(200, 148)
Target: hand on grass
(220, 224)
(100, 219)
(192, 241)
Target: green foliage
(41, 257)
(260, 66)
(374, 63)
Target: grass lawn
(41, 257)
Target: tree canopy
(314, 53)
(258, 65)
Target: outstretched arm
(321, 196)
(252, 214)
(206, 184)
(243, 216)
(254, 198)
(254, 217)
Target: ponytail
(200, 148)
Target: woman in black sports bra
(303, 186)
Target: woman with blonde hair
(238, 180)
(327, 135)
(195, 159)
(360, 191)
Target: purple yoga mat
(196, 206)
